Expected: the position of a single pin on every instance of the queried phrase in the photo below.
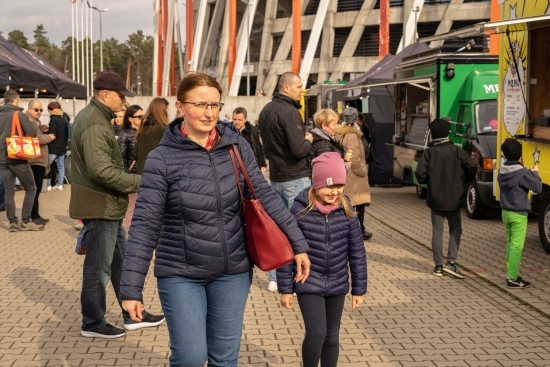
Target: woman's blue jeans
(204, 318)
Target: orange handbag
(266, 244)
(19, 146)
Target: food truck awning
(416, 82)
(500, 26)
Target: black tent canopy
(381, 109)
(25, 71)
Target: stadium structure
(338, 39)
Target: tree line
(132, 59)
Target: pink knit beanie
(328, 170)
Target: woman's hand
(356, 301)
(134, 308)
(302, 267)
(286, 300)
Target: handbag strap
(236, 170)
(237, 161)
(16, 125)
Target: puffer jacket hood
(334, 243)
(188, 211)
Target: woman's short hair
(324, 116)
(192, 80)
(126, 123)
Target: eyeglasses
(37, 109)
(137, 117)
(216, 106)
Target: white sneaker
(272, 287)
(59, 187)
(49, 188)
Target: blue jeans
(60, 163)
(2, 191)
(288, 190)
(106, 241)
(204, 318)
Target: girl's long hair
(341, 201)
(155, 112)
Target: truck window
(486, 116)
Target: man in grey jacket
(39, 166)
(16, 168)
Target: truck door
(463, 128)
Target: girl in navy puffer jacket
(335, 241)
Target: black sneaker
(106, 331)
(148, 320)
(438, 271)
(453, 270)
(367, 235)
(41, 221)
(518, 283)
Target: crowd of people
(146, 187)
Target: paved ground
(410, 318)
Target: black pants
(322, 316)
(38, 173)
(360, 209)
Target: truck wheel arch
(544, 219)
(475, 207)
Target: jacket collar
(9, 106)
(175, 139)
(286, 99)
(109, 115)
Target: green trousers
(516, 227)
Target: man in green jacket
(99, 196)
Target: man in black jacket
(446, 168)
(59, 126)
(286, 144)
(251, 134)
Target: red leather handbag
(266, 244)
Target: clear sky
(123, 18)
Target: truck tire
(544, 222)
(475, 208)
(421, 192)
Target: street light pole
(100, 36)
(416, 9)
(247, 2)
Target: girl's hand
(356, 301)
(286, 300)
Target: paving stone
(410, 317)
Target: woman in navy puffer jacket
(332, 230)
(188, 212)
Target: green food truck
(463, 88)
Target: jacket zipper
(328, 252)
(220, 224)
